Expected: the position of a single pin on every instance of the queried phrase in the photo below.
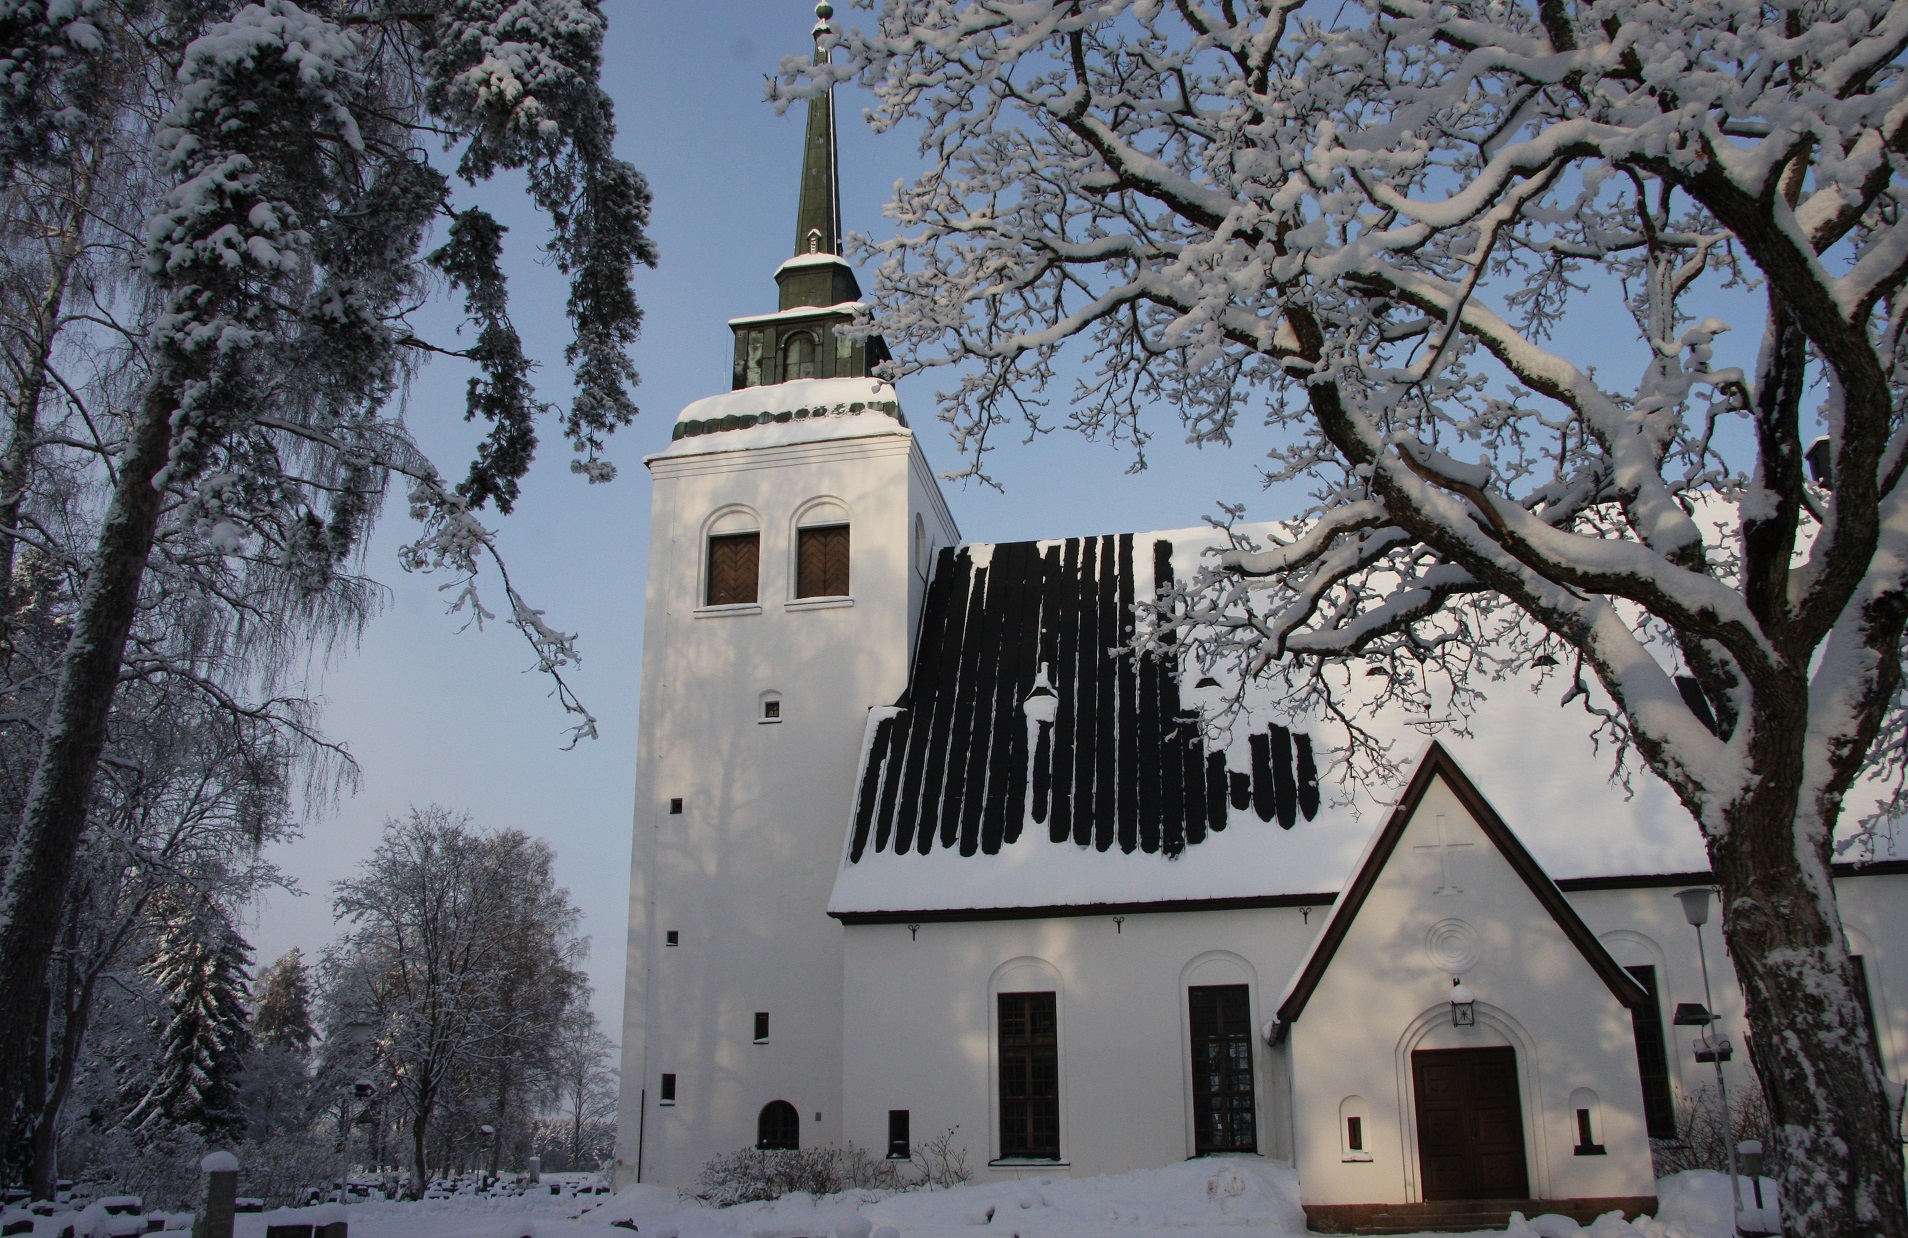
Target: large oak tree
(1366, 224)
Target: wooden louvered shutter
(822, 562)
(733, 559)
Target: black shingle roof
(1122, 762)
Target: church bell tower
(792, 527)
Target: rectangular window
(1029, 1077)
(1866, 996)
(734, 559)
(1224, 1119)
(898, 1149)
(761, 1027)
(667, 1094)
(1652, 1059)
(821, 567)
(675, 807)
(1586, 1141)
(672, 938)
(1354, 1134)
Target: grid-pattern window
(734, 560)
(821, 562)
(898, 1149)
(1223, 1116)
(1652, 1059)
(1029, 1077)
(778, 1126)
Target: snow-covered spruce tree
(271, 335)
(282, 1019)
(199, 965)
(1363, 224)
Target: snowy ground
(1236, 1197)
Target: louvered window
(733, 562)
(821, 569)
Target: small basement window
(898, 1149)
(666, 1094)
(761, 1027)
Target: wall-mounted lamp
(1463, 1004)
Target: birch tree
(293, 221)
(459, 962)
(1364, 225)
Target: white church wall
(920, 1031)
(741, 873)
(1449, 904)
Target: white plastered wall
(1443, 894)
(742, 874)
(920, 1027)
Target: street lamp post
(1696, 910)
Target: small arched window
(1354, 1129)
(798, 356)
(778, 1127)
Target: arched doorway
(778, 1126)
(1470, 1124)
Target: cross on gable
(1444, 846)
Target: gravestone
(216, 1205)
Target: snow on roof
(968, 800)
(799, 411)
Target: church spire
(817, 274)
(819, 292)
(818, 218)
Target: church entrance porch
(1470, 1124)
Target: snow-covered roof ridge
(795, 400)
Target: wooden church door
(1470, 1124)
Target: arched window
(735, 552)
(821, 550)
(798, 356)
(778, 1126)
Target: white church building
(916, 851)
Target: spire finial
(818, 217)
(822, 31)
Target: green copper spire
(818, 215)
(818, 221)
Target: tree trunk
(41, 867)
(1833, 1121)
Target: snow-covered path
(1211, 1198)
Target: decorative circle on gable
(1453, 946)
